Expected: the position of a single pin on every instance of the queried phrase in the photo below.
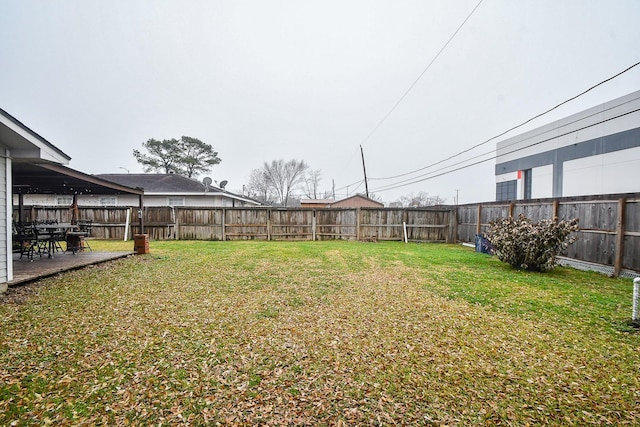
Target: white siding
(542, 182)
(507, 177)
(190, 200)
(616, 172)
(5, 222)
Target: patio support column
(141, 215)
(9, 218)
(20, 207)
(74, 210)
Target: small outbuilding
(315, 203)
(357, 201)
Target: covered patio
(32, 165)
(50, 178)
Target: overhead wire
(392, 186)
(350, 185)
(415, 82)
(512, 128)
(511, 144)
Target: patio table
(49, 236)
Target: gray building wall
(596, 151)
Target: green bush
(528, 245)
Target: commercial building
(596, 151)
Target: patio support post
(141, 214)
(20, 208)
(74, 210)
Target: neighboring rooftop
(159, 183)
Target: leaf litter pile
(317, 333)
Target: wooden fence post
(358, 223)
(269, 224)
(224, 218)
(313, 226)
(620, 226)
(453, 225)
(556, 210)
(479, 220)
(512, 206)
(176, 225)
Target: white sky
(268, 80)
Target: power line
(599, 112)
(393, 186)
(360, 181)
(420, 76)
(512, 128)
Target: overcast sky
(312, 80)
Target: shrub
(528, 245)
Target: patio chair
(44, 240)
(57, 237)
(27, 238)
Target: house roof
(162, 184)
(158, 183)
(26, 144)
(37, 166)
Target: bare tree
(258, 186)
(374, 196)
(283, 177)
(275, 181)
(421, 199)
(312, 180)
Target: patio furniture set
(45, 237)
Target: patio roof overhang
(50, 178)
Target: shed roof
(357, 199)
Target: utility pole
(457, 196)
(364, 169)
(333, 188)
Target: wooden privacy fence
(189, 223)
(609, 225)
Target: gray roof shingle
(158, 183)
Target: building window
(507, 190)
(64, 200)
(176, 201)
(527, 183)
(108, 201)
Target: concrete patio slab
(26, 270)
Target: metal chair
(27, 238)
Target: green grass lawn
(318, 333)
